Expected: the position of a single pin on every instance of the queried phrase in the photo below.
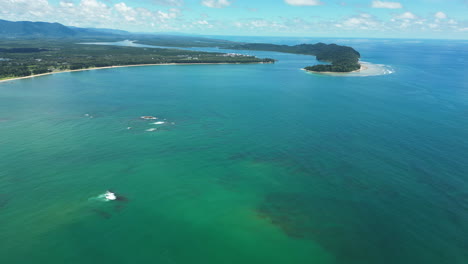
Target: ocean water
(258, 163)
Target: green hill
(341, 58)
(12, 29)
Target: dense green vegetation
(25, 57)
(341, 58)
(39, 47)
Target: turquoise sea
(258, 163)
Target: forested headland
(341, 58)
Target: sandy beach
(363, 68)
(118, 66)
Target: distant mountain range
(11, 30)
(21, 29)
(93, 31)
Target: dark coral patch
(350, 230)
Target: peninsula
(341, 58)
(22, 58)
(39, 48)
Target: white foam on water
(148, 117)
(104, 197)
(100, 198)
(151, 129)
(158, 123)
(110, 196)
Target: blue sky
(308, 18)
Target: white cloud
(259, 23)
(440, 15)
(89, 4)
(129, 16)
(238, 24)
(66, 4)
(263, 25)
(89, 13)
(16, 9)
(452, 22)
(362, 21)
(406, 15)
(127, 12)
(390, 5)
(122, 7)
(202, 25)
(166, 15)
(201, 22)
(169, 2)
(303, 2)
(92, 10)
(216, 3)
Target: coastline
(363, 68)
(119, 66)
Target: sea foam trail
(99, 198)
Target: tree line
(24, 58)
(341, 58)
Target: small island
(341, 58)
